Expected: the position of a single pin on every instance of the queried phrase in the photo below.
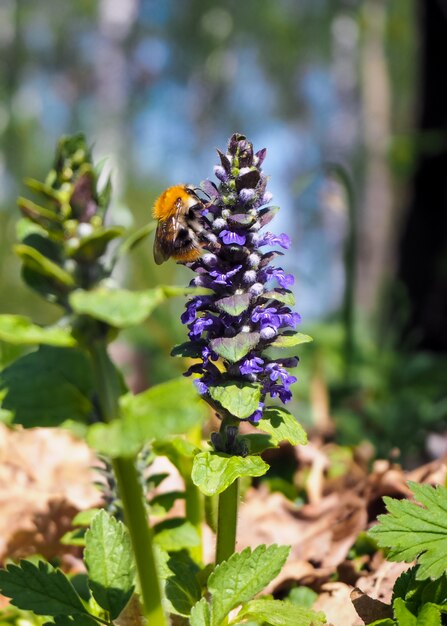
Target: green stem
(131, 494)
(194, 503)
(130, 489)
(227, 522)
(194, 514)
(107, 382)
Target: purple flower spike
(241, 318)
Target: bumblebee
(178, 211)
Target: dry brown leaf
(46, 477)
(379, 584)
(369, 609)
(320, 535)
(132, 614)
(335, 602)
(41, 534)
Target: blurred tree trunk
(423, 248)
(376, 218)
(115, 23)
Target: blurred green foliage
(185, 72)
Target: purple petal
(229, 237)
(209, 188)
(202, 388)
(222, 278)
(220, 173)
(257, 415)
(260, 155)
(251, 366)
(245, 195)
(290, 319)
(269, 239)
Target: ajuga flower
(247, 310)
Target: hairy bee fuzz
(178, 235)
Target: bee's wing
(164, 240)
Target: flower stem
(195, 507)
(131, 492)
(227, 522)
(195, 514)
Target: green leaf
(40, 588)
(213, 472)
(115, 439)
(118, 307)
(173, 291)
(109, 559)
(44, 189)
(383, 622)
(79, 620)
(163, 410)
(20, 330)
(413, 532)
(234, 305)
(74, 537)
(282, 425)
(39, 263)
(245, 574)
(240, 399)
(282, 295)
(172, 407)
(48, 387)
(175, 534)
(46, 218)
(122, 308)
(163, 502)
(25, 228)
(81, 521)
(281, 613)
(289, 340)
(242, 219)
(234, 348)
(182, 587)
(429, 615)
(180, 452)
(257, 443)
(136, 238)
(93, 246)
(267, 214)
(200, 614)
(84, 518)
(416, 593)
(191, 349)
(302, 596)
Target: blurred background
(349, 97)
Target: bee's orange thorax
(165, 205)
